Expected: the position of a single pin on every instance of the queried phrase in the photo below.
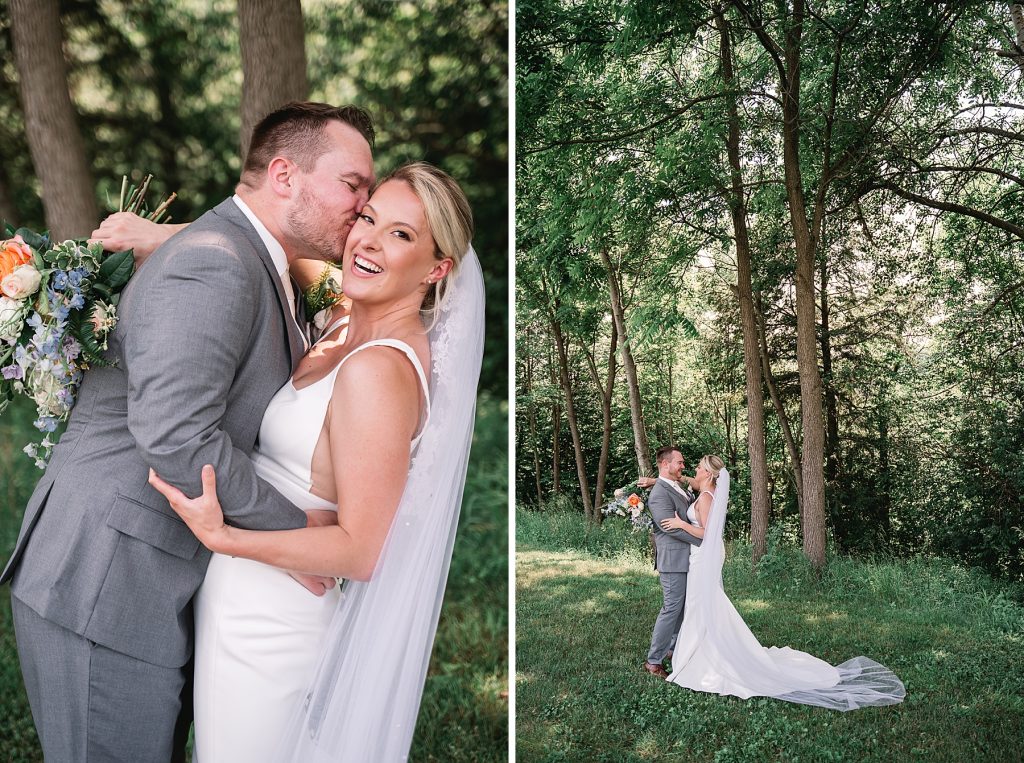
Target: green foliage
(464, 715)
(584, 620)
(909, 126)
(157, 86)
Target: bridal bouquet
(630, 502)
(58, 304)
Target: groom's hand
(318, 585)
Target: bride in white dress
(284, 675)
(715, 650)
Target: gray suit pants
(670, 618)
(84, 696)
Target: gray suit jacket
(672, 546)
(203, 342)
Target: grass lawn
(464, 715)
(587, 599)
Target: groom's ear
(281, 176)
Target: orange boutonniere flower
(14, 252)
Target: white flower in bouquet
(22, 282)
(12, 318)
(46, 381)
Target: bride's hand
(126, 230)
(203, 515)
(673, 523)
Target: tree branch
(629, 133)
(948, 206)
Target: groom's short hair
(296, 131)
(664, 452)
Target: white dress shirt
(675, 486)
(277, 254)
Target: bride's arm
(126, 230)
(373, 414)
(703, 509)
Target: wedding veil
(731, 655)
(365, 695)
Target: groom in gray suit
(672, 558)
(103, 571)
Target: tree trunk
(556, 431)
(780, 411)
(643, 449)
(570, 409)
(806, 341)
(832, 455)
(751, 363)
(531, 415)
(273, 43)
(671, 408)
(58, 153)
(606, 391)
(1017, 19)
(883, 525)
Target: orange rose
(13, 253)
(634, 500)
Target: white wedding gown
(716, 652)
(259, 633)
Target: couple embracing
(308, 461)
(698, 629)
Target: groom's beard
(317, 229)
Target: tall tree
(273, 43)
(55, 141)
(736, 195)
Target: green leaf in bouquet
(116, 269)
(43, 303)
(82, 329)
(33, 239)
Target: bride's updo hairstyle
(448, 215)
(714, 465)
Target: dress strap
(410, 353)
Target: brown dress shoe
(655, 669)
(668, 656)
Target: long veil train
(716, 651)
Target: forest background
(91, 90)
(797, 245)
(791, 234)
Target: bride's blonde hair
(714, 465)
(449, 218)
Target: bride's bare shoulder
(375, 376)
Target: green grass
(587, 599)
(464, 715)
